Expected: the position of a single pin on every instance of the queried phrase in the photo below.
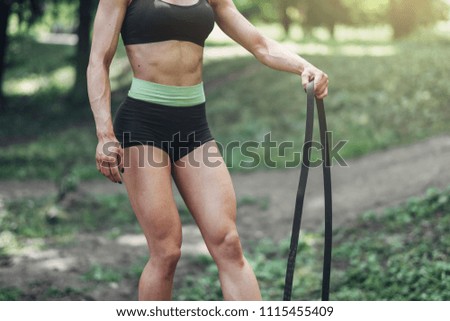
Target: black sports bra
(156, 20)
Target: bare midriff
(172, 62)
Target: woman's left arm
(267, 51)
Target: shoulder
(222, 6)
(115, 3)
(218, 3)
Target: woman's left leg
(205, 185)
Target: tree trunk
(332, 29)
(5, 11)
(402, 18)
(83, 49)
(286, 22)
(284, 18)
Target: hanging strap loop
(326, 164)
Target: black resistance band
(301, 195)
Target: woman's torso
(164, 41)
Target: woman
(160, 130)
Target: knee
(167, 259)
(228, 248)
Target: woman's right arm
(107, 25)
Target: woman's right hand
(109, 158)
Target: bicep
(236, 26)
(107, 24)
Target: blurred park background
(66, 233)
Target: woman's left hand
(320, 80)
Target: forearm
(99, 91)
(278, 57)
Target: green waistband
(176, 96)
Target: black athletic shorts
(176, 130)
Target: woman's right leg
(147, 178)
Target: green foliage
(51, 156)
(261, 202)
(28, 218)
(10, 294)
(45, 290)
(400, 255)
(102, 212)
(36, 217)
(405, 16)
(56, 293)
(99, 273)
(22, 53)
(309, 14)
(61, 16)
(268, 261)
(327, 13)
(37, 91)
(41, 217)
(203, 285)
(249, 8)
(27, 11)
(375, 102)
(136, 268)
(367, 12)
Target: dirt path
(373, 182)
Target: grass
(53, 293)
(404, 255)
(44, 291)
(99, 273)
(261, 202)
(10, 294)
(376, 101)
(41, 218)
(51, 156)
(37, 91)
(381, 94)
(399, 255)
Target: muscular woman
(161, 131)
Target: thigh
(148, 181)
(205, 185)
